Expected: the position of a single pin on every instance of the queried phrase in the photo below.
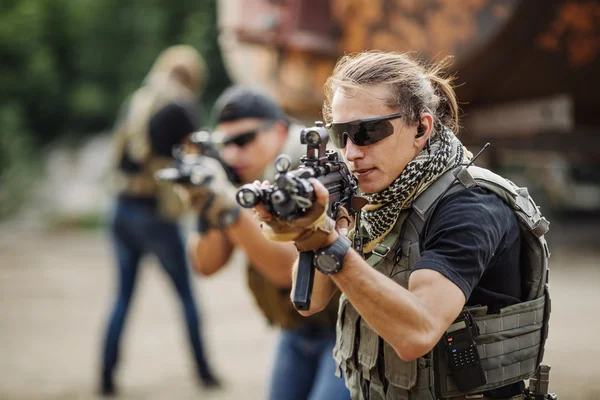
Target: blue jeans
(304, 367)
(137, 230)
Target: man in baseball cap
(253, 130)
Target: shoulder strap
(389, 243)
(424, 204)
(517, 198)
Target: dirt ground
(55, 291)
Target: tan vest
(279, 310)
(510, 343)
(132, 137)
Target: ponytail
(447, 110)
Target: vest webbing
(511, 341)
(279, 311)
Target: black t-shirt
(473, 239)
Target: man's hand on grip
(213, 198)
(312, 231)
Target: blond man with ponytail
(426, 247)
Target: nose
(352, 152)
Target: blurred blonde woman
(159, 115)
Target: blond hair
(181, 60)
(413, 87)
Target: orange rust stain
(356, 16)
(408, 33)
(293, 70)
(384, 40)
(500, 11)
(321, 71)
(549, 42)
(355, 39)
(435, 27)
(452, 24)
(410, 5)
(576, 29)
(367, 11)
(302, 76)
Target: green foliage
(18, 161)
(68, 65)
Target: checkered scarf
(379, 216)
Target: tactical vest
(511, 341)
(279, 310)
(132, 138)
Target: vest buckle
(381, 253)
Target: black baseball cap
(240, 101)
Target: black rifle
(189, 169)
(292, 195)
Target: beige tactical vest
(511, 341)
(132, 136)
(279, 310)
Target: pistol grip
(304, 281)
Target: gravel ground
(55, 291)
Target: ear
(424, 130)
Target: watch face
(327, 263)
(228, 218)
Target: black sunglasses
(362, 132)
(242, 139)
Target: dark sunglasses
(245, 138)
(242, 139)
(362, 132)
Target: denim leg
(128, 257)
(327, 386)
(168, 246)
(293, 370)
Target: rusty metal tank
(528, 72)
(505, 51)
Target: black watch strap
(337, 250)
(341, 246)
(228, 218)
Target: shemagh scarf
(444, 153)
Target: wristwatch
(228, 218)
(329, 260)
